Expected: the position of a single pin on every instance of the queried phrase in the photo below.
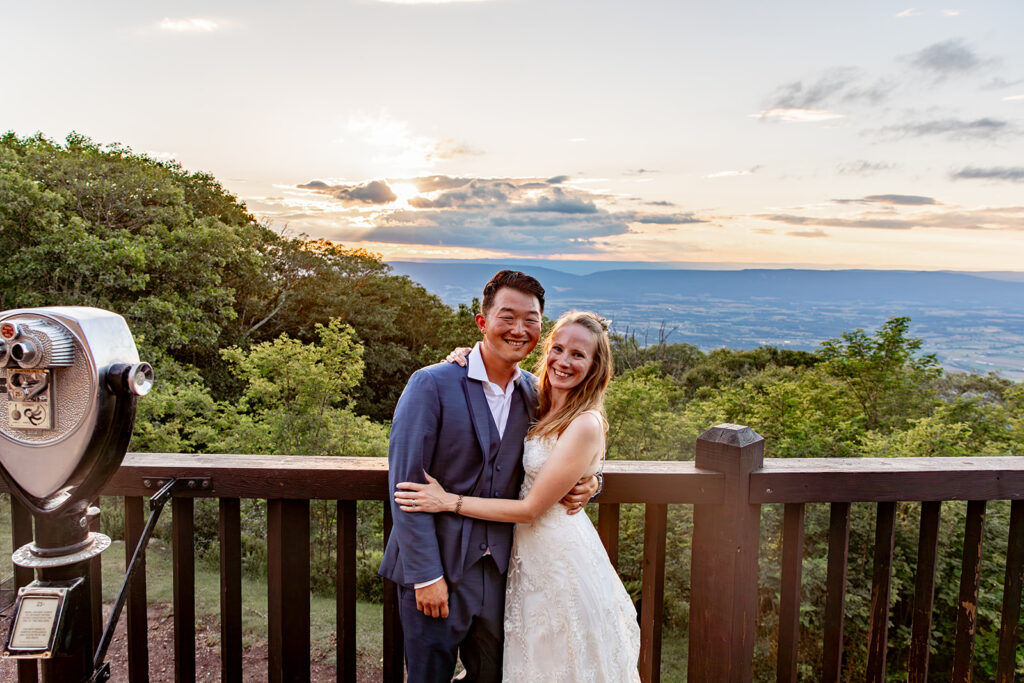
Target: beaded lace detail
(568, 617)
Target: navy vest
(501, 477)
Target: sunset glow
(855, 135)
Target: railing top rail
(348, 478)
(850, 480)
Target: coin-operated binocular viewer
(70, 378)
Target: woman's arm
(572, 455)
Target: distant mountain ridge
(460, 282)
(971, 322)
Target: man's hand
(432, 600)
(583, 491)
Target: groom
(465, 426)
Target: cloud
(862, 167)
(948, 58)
(954, 129)
(507, 214)
(394, 144)
(504, 231)
(373, 192)
(812, 95)
(951, 12)
(1013, 174)
(817, 232)
(1013, 98)
(559, 203)
(883, 223)
(796, 115)
(900, 199)
(999, 218)
(909, 12)
(665, 219)
(833, 86)
(732, 174)
(191, 25)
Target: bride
(567, 615)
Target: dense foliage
(269, 344)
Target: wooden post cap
(727, 434)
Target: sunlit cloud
(797, 115)
(519, 215)
(909, 12)
(816, 232)
(1013, 98)
(951, 12)
(191, 25)
(1010, 218)
(734, 174)
(890, 200)
(394, 145)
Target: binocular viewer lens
(35, 344)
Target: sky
(869, 134)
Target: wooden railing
(727, 484)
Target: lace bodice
(568, 617)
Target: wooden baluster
(346, 592)
(924, 591)
(137, 621)
(878, 637)
(183, 559)
(229, 534)
(789, 601)
(608, 530)
(835, 593)
(95, 578)
(723, 575)
(652, 592)
(288, 590)
(394, 650)
(967, 604)
(1009, 629)
(21, 533)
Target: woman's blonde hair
(588, 394)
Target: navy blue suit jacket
(442, 425)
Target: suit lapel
(529, 396)
(479, 413)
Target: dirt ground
(161, 653)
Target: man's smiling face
(511, 327)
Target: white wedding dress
(568, 618)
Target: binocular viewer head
(69, 381)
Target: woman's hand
(458, 356)
(429, 497)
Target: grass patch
(160, 589)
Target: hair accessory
(605, 322)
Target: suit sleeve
(414, 432)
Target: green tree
(884, 372)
